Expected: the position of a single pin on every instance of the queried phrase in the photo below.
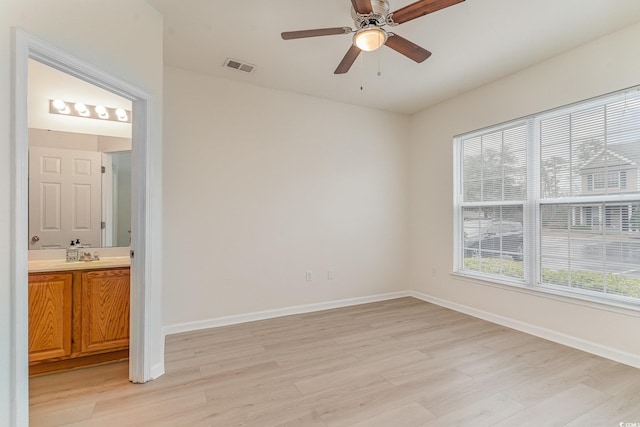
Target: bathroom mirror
(79, 189)
(79, 162)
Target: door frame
(142, 324)
(107, 200)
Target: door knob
(35, 239)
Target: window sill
(602, 304)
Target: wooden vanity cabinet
(78, 318)
(50, 311)
(105, 310)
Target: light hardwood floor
(395, 363)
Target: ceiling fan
(370, 16)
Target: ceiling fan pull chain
(361, 72)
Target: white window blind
(591, 152)
(494, 186)
(580, 215)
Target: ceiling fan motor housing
(377, 18)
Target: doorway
(144, 328)
(80, 198)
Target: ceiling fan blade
(348, 60)
(407, 48)
(289, 35)
(363, 7)
(421, 8)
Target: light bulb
(122, 115)
(61, 106)
(102, 112)
(81, 109)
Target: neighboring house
(613, 169)
(610, 171)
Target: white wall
(605, 65)
(65, 140)
(77, 141)
(262, 185)
(122, 37)
(109, 144)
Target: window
(553, 201)
(494, 188)
(613, 180)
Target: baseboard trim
(157, 370)
(270, 314)
(558, 337)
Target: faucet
(86, 256)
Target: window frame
(460, 204)
(532, 205)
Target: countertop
(38, 266)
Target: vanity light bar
(99, 112)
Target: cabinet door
(49, 315)
(105, 310)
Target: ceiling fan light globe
(370, 39)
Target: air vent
(238, 65)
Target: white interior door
(64, 197)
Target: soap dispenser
(72, 252)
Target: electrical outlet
(309, 276)
(330, 275)
(434, 272)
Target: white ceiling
(473, 43)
